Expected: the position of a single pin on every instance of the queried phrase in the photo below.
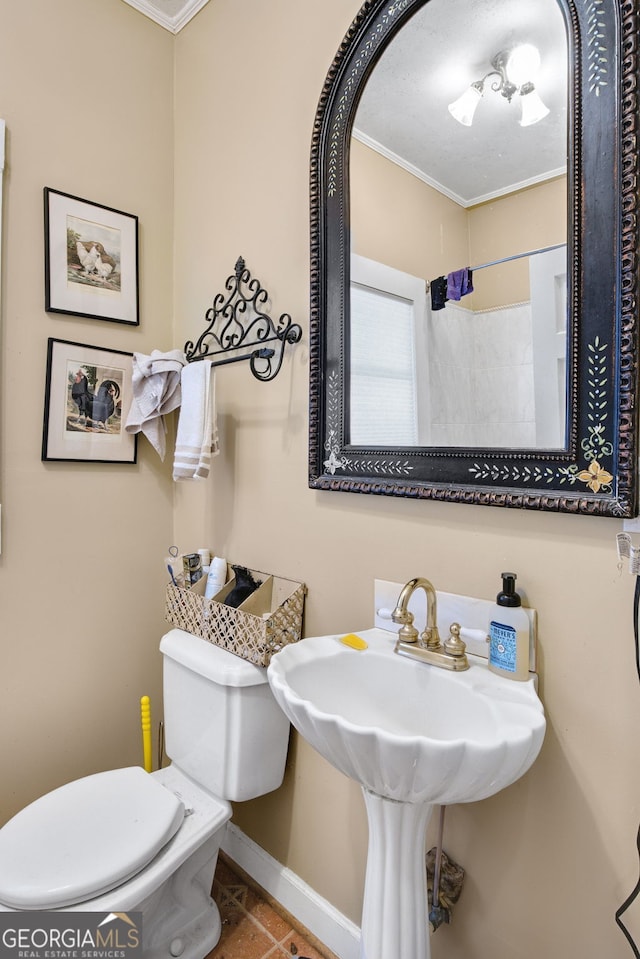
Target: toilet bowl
(125, 840)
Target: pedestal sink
(412, 735)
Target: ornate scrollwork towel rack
(237, 320)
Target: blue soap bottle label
(502, 649)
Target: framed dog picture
(86, 404)
(91, 259)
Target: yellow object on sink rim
(354, 642)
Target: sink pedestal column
(395, 914)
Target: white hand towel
(155, 391)
(197, 437)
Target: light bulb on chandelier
(514, 71)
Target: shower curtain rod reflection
(517, 256)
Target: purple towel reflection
(459, 283)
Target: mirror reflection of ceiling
(446, 46)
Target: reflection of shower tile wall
(481, 374)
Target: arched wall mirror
(474, 255)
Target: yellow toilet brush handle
(145, 715)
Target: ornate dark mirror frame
(597, 472)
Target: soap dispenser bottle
(509, 633)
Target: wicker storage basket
(269, 619)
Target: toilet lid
(85, 838)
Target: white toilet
(127, 840)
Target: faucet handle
(455, 646)
(408, 633)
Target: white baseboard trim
(321, 918)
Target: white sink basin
(412, 735)
(406, 730)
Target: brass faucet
(427, 645)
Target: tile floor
(253, 925)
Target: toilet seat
(85, 838)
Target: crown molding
(472, 201)
(173, 23)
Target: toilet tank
(222, 725)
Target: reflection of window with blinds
(383, 393)
(388, 369)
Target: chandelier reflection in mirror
(515, 71)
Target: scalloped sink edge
(406, 730)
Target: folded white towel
(155, 391)
(197, 437)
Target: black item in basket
(245, 586)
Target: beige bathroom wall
(86, 90)
(87, 93)
(527, 220)
(399, 220)
(550, 859)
